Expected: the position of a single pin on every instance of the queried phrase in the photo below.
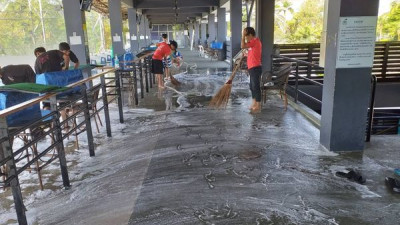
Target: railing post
(135, 87)
(385, 60)
(296, 95)
(86, 112)
(12, 173)
(147, 60)
(60, 144)
(371, 109)
(141, 78)
(105, 105)
(146, 75)
(151, 66)
(119, 94)
(310, 54)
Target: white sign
(141, 37)
(75, 40)
(186, 32)
(356, 42)
(134, 38)
(116, 38)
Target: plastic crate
(217, 45)
(62, 79)
(22, 117)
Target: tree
(389, 24)
(306, 25)
(283, 9)
(27, 23)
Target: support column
(196, 33)
(75, 24)
(265, 29)
(203, 33)
(347, 79)
(116, 26)
(211, 28)
(133, 30)
(146, 31)
(191, 36)
(221, 31)
(236, 25)
(142, 33)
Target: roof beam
(158, 4)
(173, 11)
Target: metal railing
(297, 77)
(12, 162)
(386, 61)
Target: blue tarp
(23, 117)
(62, 79)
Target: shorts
(157, 67)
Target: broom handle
(237, 67)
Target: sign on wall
(356, 42)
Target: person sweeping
(254, 47)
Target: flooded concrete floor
(195, 165)
(199, 173)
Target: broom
(220, 100)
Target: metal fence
(386, 61)
(84, 105)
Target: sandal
(353, 176)
(397, 172)
(393, 184)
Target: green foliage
(305, 26)
(22, 30)
(389, 24)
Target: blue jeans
(255, 76)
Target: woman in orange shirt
(254, 46)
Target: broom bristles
(221, 99)
(174, 81)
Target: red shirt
(254, 55)
(162, 51)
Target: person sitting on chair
(13, 74)
(254, 46)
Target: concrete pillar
(75, 25)
(146, 29)
(190, 25)
(114, 7)
(133, 30)
(265, 29)
(211, 28)
(221, 31)
(236, 25)
(203, 27)
(142, 33)
(196, 33)
(348, 50)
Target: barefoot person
(254, 46)
(175, 58)
(163, 50)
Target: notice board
(356, 42)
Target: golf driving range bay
(177, 161)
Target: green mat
(33, 88)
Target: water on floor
(177, 161)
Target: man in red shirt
(163, 50)
(254, 46)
